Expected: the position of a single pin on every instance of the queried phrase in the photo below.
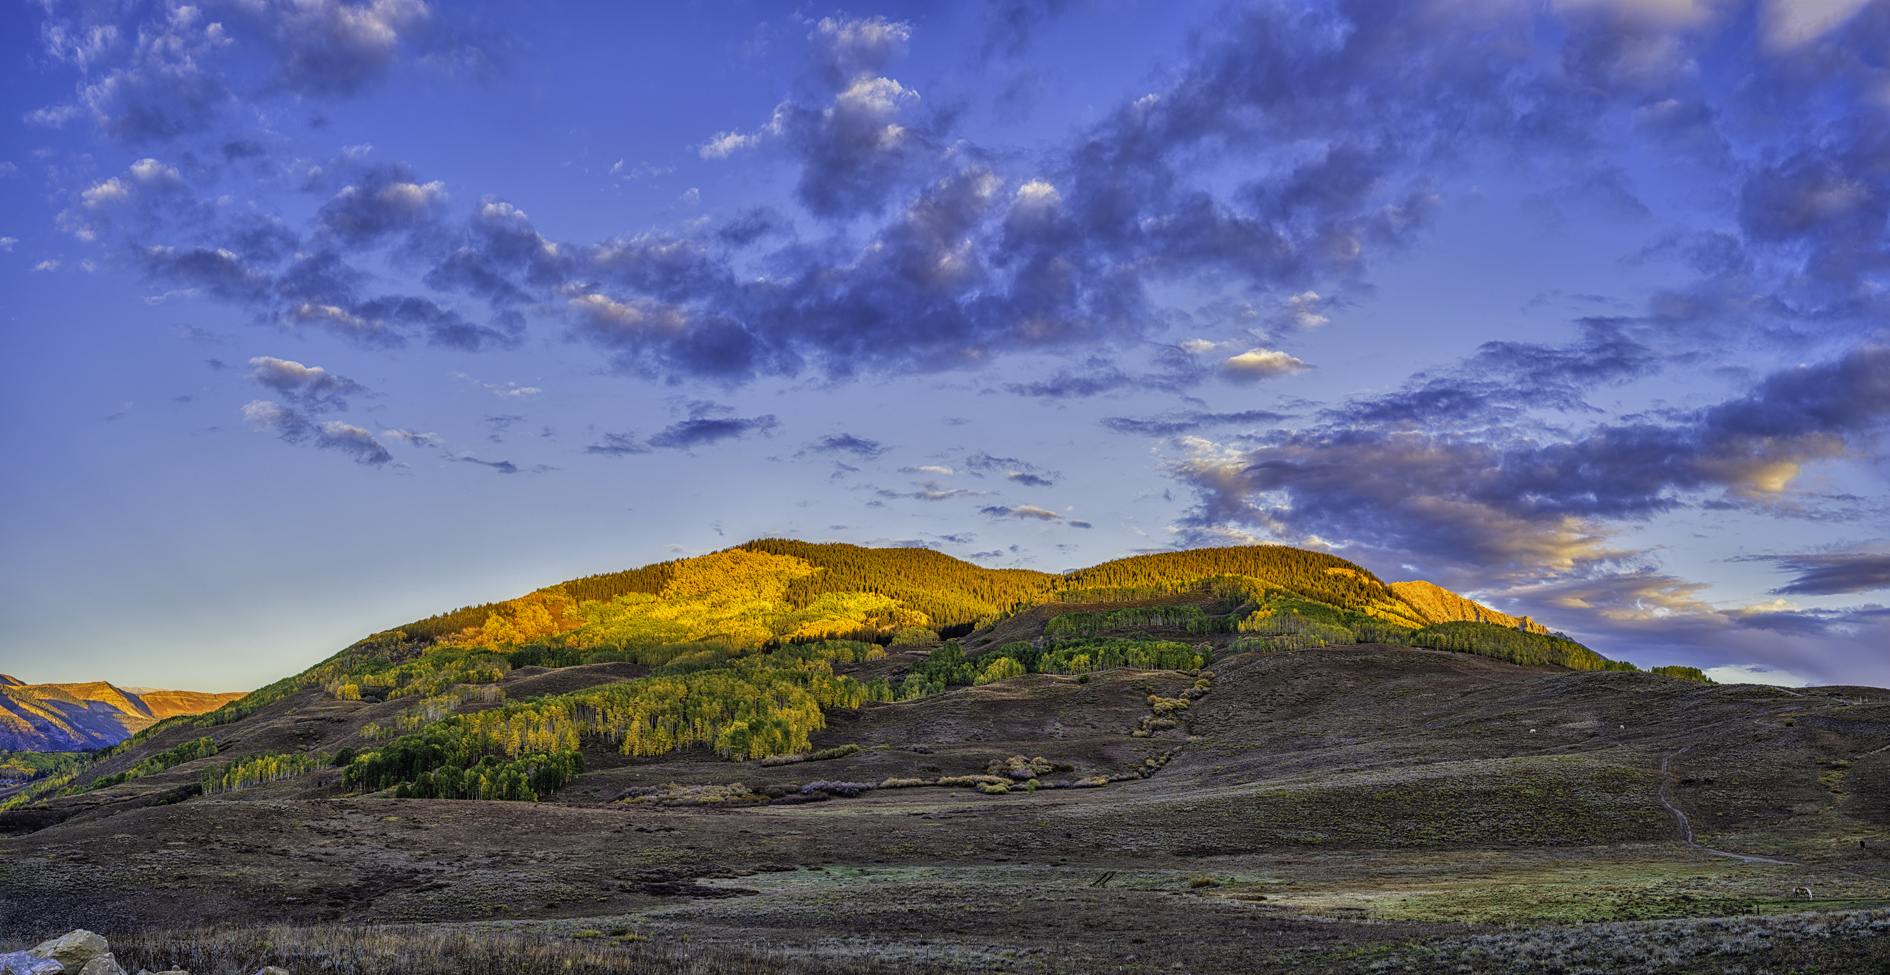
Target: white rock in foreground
(73, 949)
(27, 963)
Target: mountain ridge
(89, 714)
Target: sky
(325, 316)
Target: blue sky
(326, 316)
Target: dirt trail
(1686, 828)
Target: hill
(1240, 761)
(71, 717)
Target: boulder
(73, 949)
(27, 963)
(103, 964)
(272, 970)
(167, 971)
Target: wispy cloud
(292, 427)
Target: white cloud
(1302, 310)
(412, 439)
(725, 144)
(1791, 24)
(6, 243)
(1755, 674)
(1658, 14)
(1255, 364)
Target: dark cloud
(928, 491)
(689, 434)
(1022, 511)
(846, 443)
(1831, 574)
(293, 427)
(1288, 148)
(752, 225)
(1508, 502)
(1012, 469)
(501, 466)
(378, 202)
(312, 388)
(1503, 380)
(153, 75)
(1010, 24)
(618, 445)
(331, 48)
(1171, 424)
(1097, 376)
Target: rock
(272, 970)
(103, 964)
(27, 963)
(73, 949)
(168, 971)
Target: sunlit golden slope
(1440, 605)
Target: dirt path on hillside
(1686, 827)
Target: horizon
(329, 316)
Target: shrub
(994, 788)
(675, 794)
(1092, 782)
(838, 751)
(972, 780)
(1167, 705)
(773, 761)
(1199, 882)
(848, 789)
(904, 783)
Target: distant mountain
(72, 717)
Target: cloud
(846, 443)
(1751, 674)
(333, 48)
(1287, 154)
(292, 427)
(1020, 511)
(173, 73)
(1831, 573)
(1097, 376)
(309, 387)
(618, 445)
(501, 466)
(1503, 380)
(412, 439)
(383, 201)
(1023, 472)
(1257, 364)
(929, 491)
(1171, 424)
(1514, 504)
(700, 432)
(1010, 24)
